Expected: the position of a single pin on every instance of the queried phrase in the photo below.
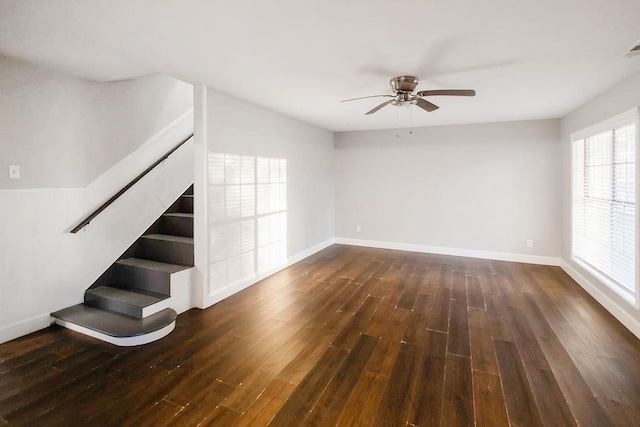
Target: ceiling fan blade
(380, 106)
(426, 105)
(364, 97)
(447, 92)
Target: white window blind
(604, 203)
(247, 217)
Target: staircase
(134, 301)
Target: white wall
(237, 127)
(64, 131)
(620, 98)
(479, 190)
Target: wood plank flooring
(349, 337)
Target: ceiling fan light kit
(403, 87)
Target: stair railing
(106, 204)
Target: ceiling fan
(403, 87)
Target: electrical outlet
(358, 229)
(14, 172)
(529, 243)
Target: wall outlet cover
(14, 172)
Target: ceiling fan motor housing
(403, 84)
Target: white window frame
(215, 284)
(626, 118)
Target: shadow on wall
(131, 112)
(247, 217)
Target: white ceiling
(527, 59)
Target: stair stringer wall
(182, 292)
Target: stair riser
(111, 305)
(183, 204)
(143, 279)
(120, 341)
(167, 251)
(186, 204)
(177, 226)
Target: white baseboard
(629, 321)
(24, 327)
(308, 252)
(227, 291)
(441, 250)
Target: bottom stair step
(130, 302)
(115, 328)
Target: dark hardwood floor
(354, 337)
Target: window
(604, 202)
(247, 217)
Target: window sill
(628, 296)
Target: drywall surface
(257, 220)
(64, 131)
(617, 100)
(487, 188)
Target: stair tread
(187, 195)
(179, 214)
(168, 238)
(128, 296)
(112, 324)
(152, 265)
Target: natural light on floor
(247, 217)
